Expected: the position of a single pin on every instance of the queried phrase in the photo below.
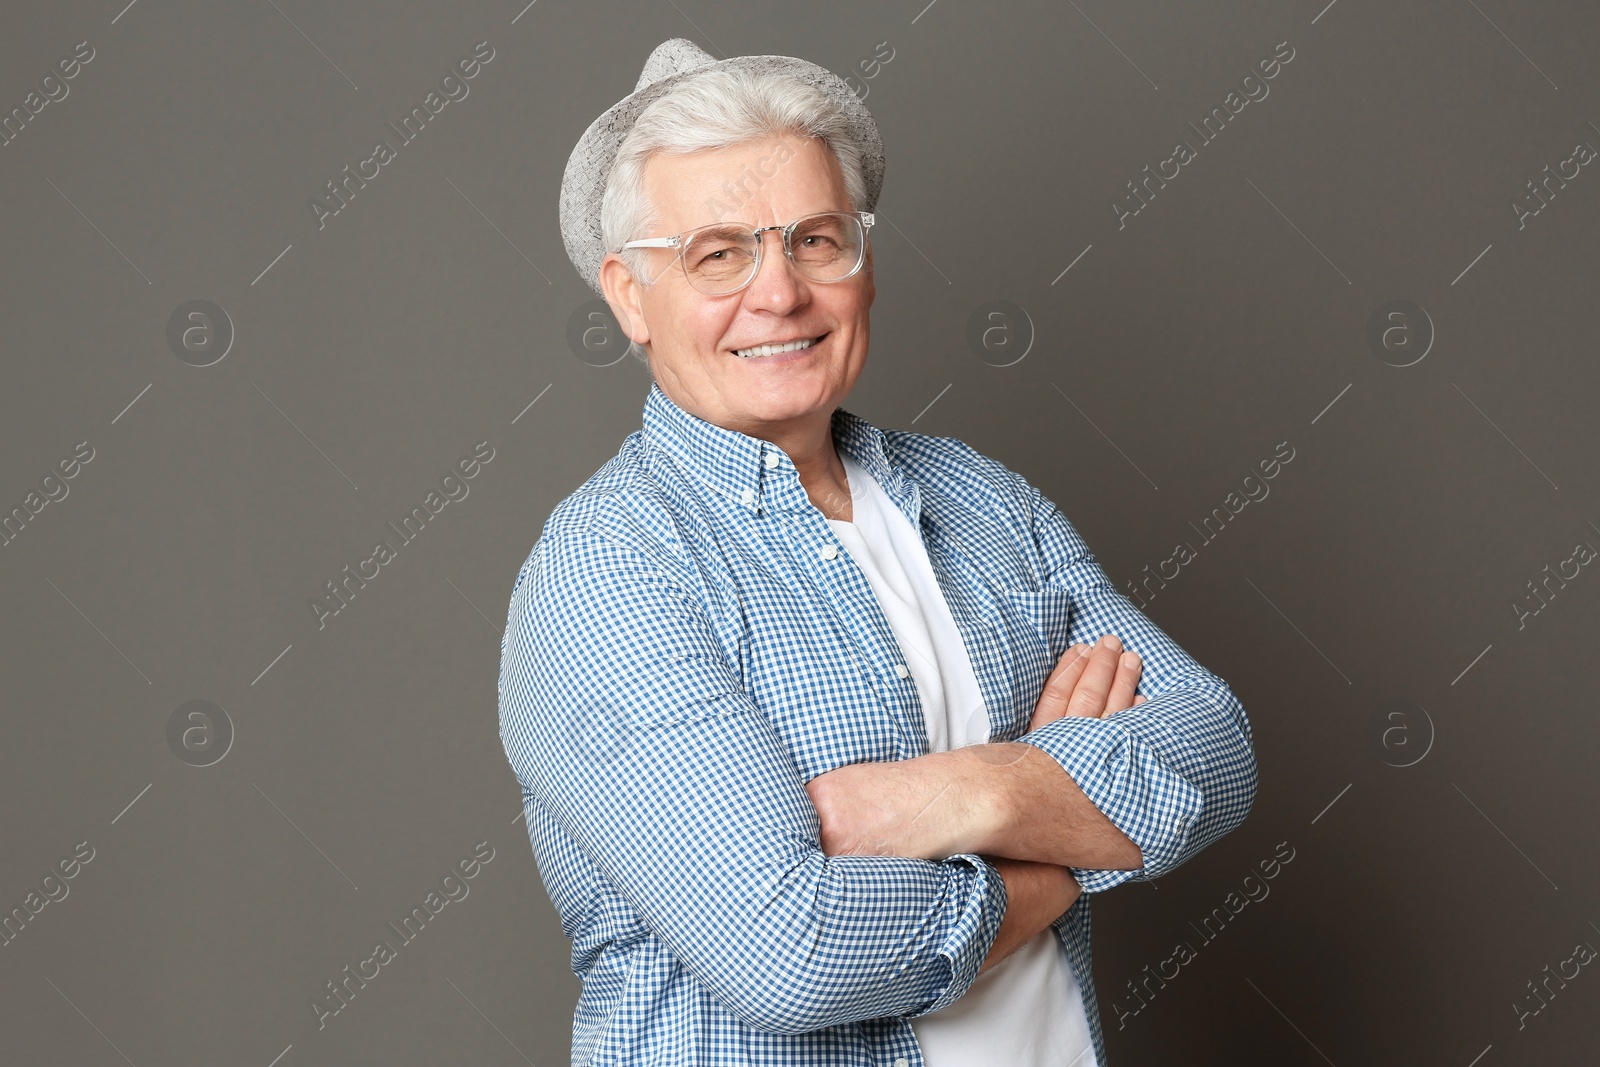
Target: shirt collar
(751, 472)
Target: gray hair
(718, 108)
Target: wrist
(988, 779)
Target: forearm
(1031, 809)
(1173, 773)
(1036, 896)
(1007, 799)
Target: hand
(1089, 682)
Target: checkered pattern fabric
(687, 644)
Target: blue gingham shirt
(687, 645)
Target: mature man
(814, 764)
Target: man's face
(693, 337)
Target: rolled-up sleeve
(1174, 773)
(620, 713)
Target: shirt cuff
(1123, 776)
(972, 935)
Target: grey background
(371, 355)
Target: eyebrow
(751, 225)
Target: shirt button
(829, 551)
(748, 496)
(771, 460)
(902, 1062)
(900, 669)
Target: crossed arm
(624, 721)
(1010, 802)
(1106, 783)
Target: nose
(777, 286)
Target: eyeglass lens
(825, 248)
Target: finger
(1121, 695)
(1058, 687)
(1052, 703)
(1139, 699)
(1089, 697)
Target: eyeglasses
(723, 257)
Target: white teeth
(772, 350)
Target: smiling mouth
(772, 350)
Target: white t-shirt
(1027, 1011)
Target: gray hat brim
(583, 184)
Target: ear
(625, 296)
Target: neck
(808, 442)
(812, 451)
(809, 445)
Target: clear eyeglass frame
(680, 241)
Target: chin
(790, 398)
